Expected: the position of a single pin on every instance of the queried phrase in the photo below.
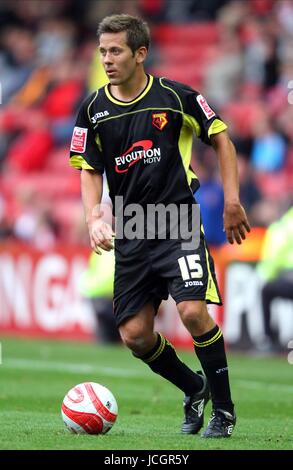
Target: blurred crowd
(238, 53)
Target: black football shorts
(147, 271)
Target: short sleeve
(201, 117)
(85, 148)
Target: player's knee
(134, 340)
(191, 312)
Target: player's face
(118, 60)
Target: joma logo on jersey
(99, 115)
(160, 120)
(141, 150)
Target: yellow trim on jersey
(173, 91)
(185, 142)
(210, 341)
(98, 142)
(192, 123)
(217, 127)
(80, 163)
(88, 108)
(122, 103)
(135, 112)
(185, 148)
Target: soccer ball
(89, 408)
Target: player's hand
(236, 224)
(101, 235)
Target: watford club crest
(160, 120)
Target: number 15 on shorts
(190, 268)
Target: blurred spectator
(284, 12)
(6, 230)
(177, 11)
(269, 148)
(254, 51)
(249, 192)
(265, 211)
(224, 74)
(41, 114)
(47, 231)
(276, 270)
(242, 57)
(190, 10)
(271, 63)
(262, 51)
(153, 10)
(54, 39)
(35, 224)
(17, 60)
(261, 7)
(26, 222)
(210, 197)
(29, 150)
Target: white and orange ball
(89, 408)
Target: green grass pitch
(35, 375)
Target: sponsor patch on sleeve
(209, 113)
(78, 141)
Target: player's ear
(141, 54)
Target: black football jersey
(145, 145)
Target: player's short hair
(137, 31)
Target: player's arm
(86, 155)
(235, 220)
(209, 127)
(91, 192)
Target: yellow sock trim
(210, 341)
(158, 351)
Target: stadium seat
(58, 160)
(30, 150)
(192, 75)
(66, 210)
(193, 33)
(178, 54)
(273, 184)
(61, 101)
(243, 115)
(185, 50)
(48, 184)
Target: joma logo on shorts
(193, 283)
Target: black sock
(210, 350)
(163, 360)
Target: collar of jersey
(138, 98)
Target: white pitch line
(78, 368)
(256, 385)
(81, 368)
